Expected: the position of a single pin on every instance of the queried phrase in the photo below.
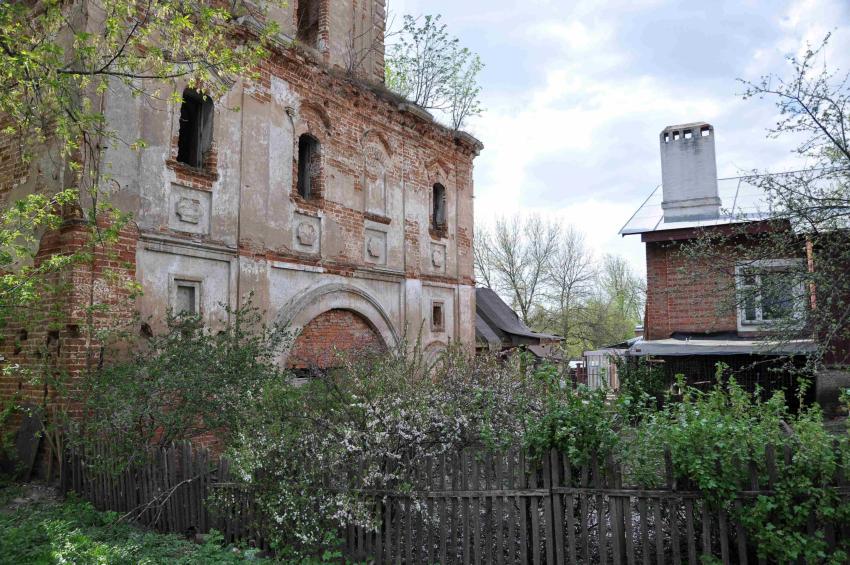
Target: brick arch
(310, 304)
(331, 336)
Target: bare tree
(516, 258)
(482, 257)
(571, 279)
(622, 287)
(550, 277)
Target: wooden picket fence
(472, 507)
(168, 493)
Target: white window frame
(760, 324)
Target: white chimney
(689, 173)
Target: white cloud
(578, 140)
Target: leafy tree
(188, 382)
(59, 62)
(809, 216)
(429, 67)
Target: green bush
(184, 383)
(711, 437)
(74, 532)
(386, 414)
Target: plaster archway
(310, 304)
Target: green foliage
(642, 384)
(74, 532)
(712, 436)
(578, 423)
(429, 67)
(189, 381)
(368, 425)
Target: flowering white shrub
(365, 427)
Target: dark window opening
(689, 134)
(438, 213)
(705, 131)
(196, 126)
(437, 317)
(186, 297)
(308, 165)
(308, 22)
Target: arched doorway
(332, 337)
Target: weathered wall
(348, 334)
(684, 295)
(237, 226)
(366, 232)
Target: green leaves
(429, 67)
(189, 381)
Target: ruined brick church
(344, 210)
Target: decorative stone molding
(307, 235)
(438, 257)
(376, 247)
(189, 210)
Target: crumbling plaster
(240, 228)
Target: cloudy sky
(576, 93)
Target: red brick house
(705, 308)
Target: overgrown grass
(72, 531)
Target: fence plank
(523, 509)
(499, 504)
(548, 518)
(584, 517)
(513, 509)
(475, 477)
(601, 523)
(557, 509)
(534, 507)
(723, 533)
(691, 535)
(673, 507)
(615, 513)
(659, 531)
(706, 530)
(443, 502)
(570, 510)
(644, 530)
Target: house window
(186, 297)
(309, 166)
(308, 22)
(196, 127)
(438, 321)
(438, 211)
(769, 292)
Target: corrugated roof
(732, 346)
(740, 201)
(499, 316)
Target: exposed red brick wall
(684, 295)
(52, 335)
(13, 169)
(333, 333)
